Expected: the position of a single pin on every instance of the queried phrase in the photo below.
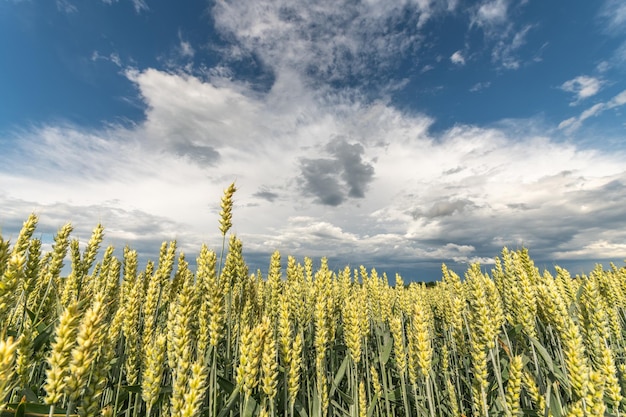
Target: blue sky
(395, 135)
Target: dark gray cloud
(356, 173)
(319, 178)
(266, 195)
(444, 208)
(565, 222)
(519, 206)
(201, 154)
(453, 171)
(611, 192)
(333, 180)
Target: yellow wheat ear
(226, 214)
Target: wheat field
(111, 339)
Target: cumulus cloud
(332, 180)
(388, 191)
(582, 87)
(457, 58)
(491, 12)
(319, 178)
(356, 173)
(195, 119)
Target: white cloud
(582, 87)
(326, 41)
(599, 249)
(570, 123)
(457, 58)
(491, 12)
(573, 123)
(618, 100)
(603, 66)
(480, 86)
(112, 57)
(139, 5)
(505, 52)
(504, 36)
(619, 56)
(614, 13)
(66, 7)
(592, 111)
(457, 196)
(115, 58)
(185, 49)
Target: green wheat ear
(226, 214)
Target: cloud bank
(363, 182)
(323, 170)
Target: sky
(396, 135)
